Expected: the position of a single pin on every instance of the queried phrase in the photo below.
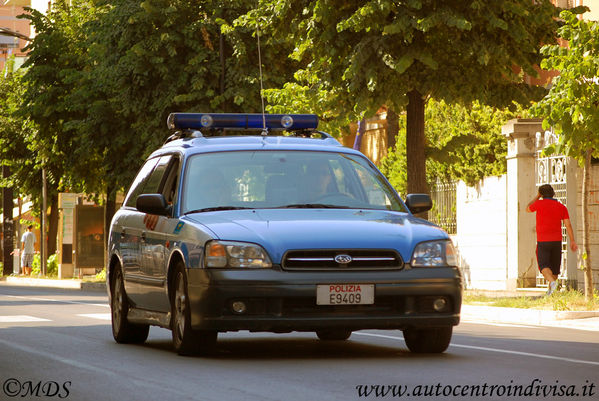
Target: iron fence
(443, 213)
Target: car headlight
(231, 254)
(434, 253)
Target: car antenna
(264, 129)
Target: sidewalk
(67, 284)
(583, 320)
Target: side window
(373, 187)
(169, 188)
(140, 181)
(155, 181)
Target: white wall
(482, 230)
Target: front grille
(334, 259)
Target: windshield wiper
(313, 206)
(216, 208)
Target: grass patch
(570, 300)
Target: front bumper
(281, 301)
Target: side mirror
(152, 204)
(418, 203)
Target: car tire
(333, 334)
(429, 340)
(187, 341)
(123, 331)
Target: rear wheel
(123, 331)
(333, 334)
(429, 340)
(186, 340)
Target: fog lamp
(439, 304)
(239, 307)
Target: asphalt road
(57, 344)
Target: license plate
(345, 294)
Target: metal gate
(552, 170)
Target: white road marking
(21, 319)
(502, 351)
(56, 300)
(99, 316)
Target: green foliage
(101, 276)
(16, 133)
(36, 265)
(463, 143)
(51, 265)
(360, 55)
(571, 106)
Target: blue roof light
(241, 121)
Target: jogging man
(550, 214)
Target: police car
(263, 223)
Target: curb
(518, 315)
(67, 284)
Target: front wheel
(123, 331)
(429, 340)
(186, 340)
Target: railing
(443, 213)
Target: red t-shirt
(550, 214)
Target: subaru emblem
(343, 259)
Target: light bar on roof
(241, 121)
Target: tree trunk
(7, 225)
(392, 129)
(415, 144)
(586, 246)
(53, 224)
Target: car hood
(280, 230)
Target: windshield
(290, 179)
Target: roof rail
(184, 134)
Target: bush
(36, 265)
(51, 265)
(101, 275)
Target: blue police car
(262, 223)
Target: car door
(130, 234)
(155, 241)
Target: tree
(572, 108)
(362, 54)
(15, 155)
(55, 55)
